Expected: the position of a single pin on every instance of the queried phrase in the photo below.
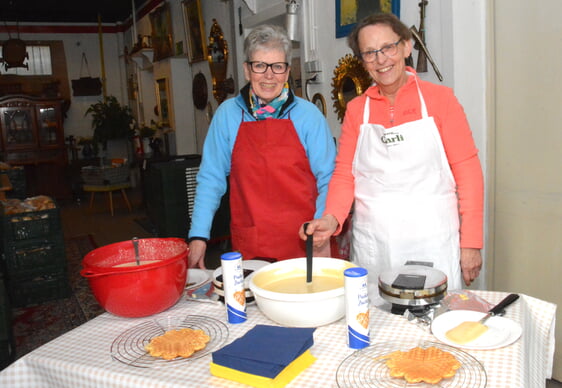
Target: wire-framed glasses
(388, 51)
(261, 67)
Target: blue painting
(348, 12)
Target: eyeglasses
(261, 67)
(388, 51)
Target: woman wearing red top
(408, 164)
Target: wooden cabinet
(33, 136)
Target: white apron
(405, 200)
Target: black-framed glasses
(261, 67)
(388, 51)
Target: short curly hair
(388, 19)
(268, 37)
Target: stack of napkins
(266, 356)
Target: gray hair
(268, 37)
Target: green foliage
(147, 132)
(110, 120)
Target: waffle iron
(413, 287)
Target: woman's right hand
(321, 229)
(196, 256)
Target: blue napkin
(265, 350)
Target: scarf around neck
(262, 111)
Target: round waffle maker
(412, 287)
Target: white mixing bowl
(306, 309)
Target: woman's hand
(321, 229)
(196, 257)
(471, 263)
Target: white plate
(196, 278)
(501, 332)
(246, 264)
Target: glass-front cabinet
(48, 124)
(17, 124)
(32, 135)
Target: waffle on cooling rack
(429, 365)
(177, 343)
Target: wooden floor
(78, 219)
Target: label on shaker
(233, 285)
(357, 307)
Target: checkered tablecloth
(81, 357)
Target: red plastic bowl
(137, 291)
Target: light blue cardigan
(312, 130)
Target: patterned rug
(36, 325)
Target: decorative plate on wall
(320, 102)
(199, 91)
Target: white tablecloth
(81, 357)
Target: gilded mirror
(217, 56)
(350, 80)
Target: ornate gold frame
(349, 68)
(195, 30)
(162, 37)
(163, 101)
(217, 56)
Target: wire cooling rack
(129, 346)
(366, 368)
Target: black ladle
(308, 254)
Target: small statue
(155, 144)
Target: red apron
(272, 190)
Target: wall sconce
(292, 19)
(217, 56)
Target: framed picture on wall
(163, 101)
(162, 38)
(349, 12)
(195, 30)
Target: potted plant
(147, 132)
(110, 120)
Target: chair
(109, 189)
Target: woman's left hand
(471, 263)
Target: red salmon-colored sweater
(455, 133)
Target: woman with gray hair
(276, 150)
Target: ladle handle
(136, 246)
(309, 250)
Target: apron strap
(366, 111)
(422, 101)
